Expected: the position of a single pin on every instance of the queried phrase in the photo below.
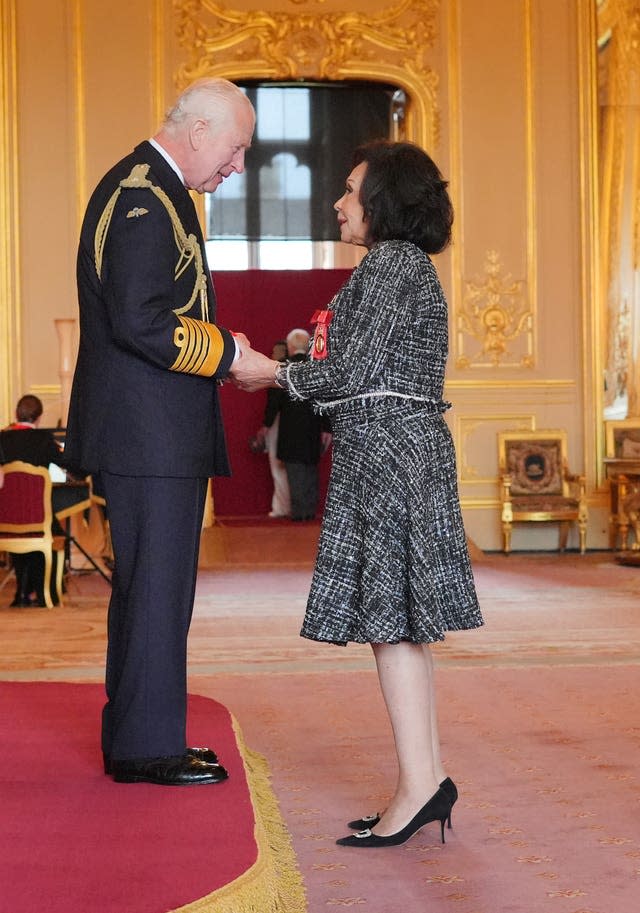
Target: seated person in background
(23, 440)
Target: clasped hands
(251, 370)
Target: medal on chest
(320, 347)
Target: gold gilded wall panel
(494, 323)
(492, 101)
(477, 437)
(497, 86)
(318, 41)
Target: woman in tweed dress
(392, 568)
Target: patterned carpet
(540, 719)
(539, 715)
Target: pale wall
(512, 137)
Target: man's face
(220, 150)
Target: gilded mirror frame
(319, 43)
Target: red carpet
(73, 841)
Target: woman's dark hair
(404, 196)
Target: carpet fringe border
(274, 883)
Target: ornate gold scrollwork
(495, 314)
(390, 45)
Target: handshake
(251, 370)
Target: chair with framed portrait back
(536, 485)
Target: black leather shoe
(180, 771)
(202, 754)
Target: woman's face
(353, 226)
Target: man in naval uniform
(144, 415)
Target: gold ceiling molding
(389, 45)
(495, 314)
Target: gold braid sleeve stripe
(201, 347)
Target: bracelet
(278, 378)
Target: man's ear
(197, 132)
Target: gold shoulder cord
(200, 343)
(187, 245)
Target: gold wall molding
(466, 353)
(512, 384)
(479, 504)
(528, 360)
(618, 42)
(593, 338)
(45, 390)
(476, 443)
(77, 75)
(494, 313)
(468, 472)
(454, 83)
(10, 333)
(159, 63)
(389, 45)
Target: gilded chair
(25, 519)
(536, 485)
(622, 464)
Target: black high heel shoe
(447, 785)
(438, 808)
(450, 788)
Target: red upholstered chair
(536, 485)
(25, 519)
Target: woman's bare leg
(435, 737)
(405, 671)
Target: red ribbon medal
(322, 319)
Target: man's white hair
(208, 98)
(298, 340)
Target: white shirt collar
(165, 155)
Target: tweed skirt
(392, 560)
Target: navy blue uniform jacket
(144, 400)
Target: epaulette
(188, 246)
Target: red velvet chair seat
(25, 518)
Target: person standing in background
(268, 435)
(303, 436)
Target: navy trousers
(155, 530)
